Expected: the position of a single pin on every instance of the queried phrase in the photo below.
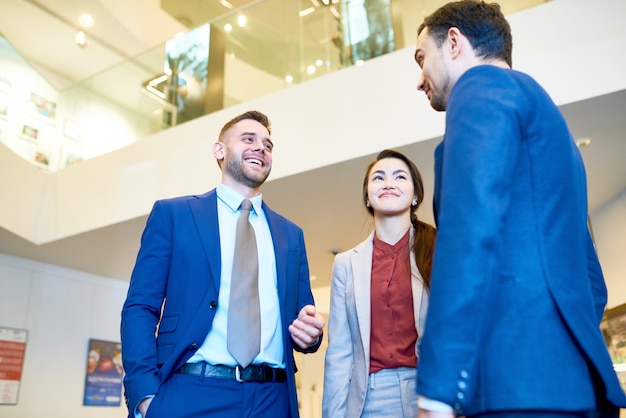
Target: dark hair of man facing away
(482, 23)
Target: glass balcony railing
(252, 51)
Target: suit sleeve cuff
(432, 405)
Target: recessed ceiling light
(85, 20)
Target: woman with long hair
(379, 298)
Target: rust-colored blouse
(393, 334)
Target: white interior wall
(61, 309)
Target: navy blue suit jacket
(517, 291)
(180, 261)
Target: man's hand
(307, 327)
(423, 413)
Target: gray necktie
(244, 314)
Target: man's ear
(218, 150)
(454, 42)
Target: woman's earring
(415, 201)
(367, 203)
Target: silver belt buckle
(238, 374)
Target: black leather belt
(252, 373)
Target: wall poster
(12, 350)
(103, 381)
(613, 328)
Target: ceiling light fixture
(157, 85)
(306, 12)
(227, 4)
(80, 39)
(85, 20)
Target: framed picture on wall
(13, 348)
(42, 106)
(103, 380)
(70, 156)
(41, 158)
(29, 132)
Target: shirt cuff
(432, 405)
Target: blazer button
(193, 346)
(213, 304)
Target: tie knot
(246, 205)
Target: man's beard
(238, 172)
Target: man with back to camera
(517, 291)
(181, 286)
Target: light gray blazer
(347, 357)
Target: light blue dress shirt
(214, 350)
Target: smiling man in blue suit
(517, 292)
(175, 323)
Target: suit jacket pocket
(168, 324)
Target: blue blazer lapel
(204, 211)
(281, 249)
